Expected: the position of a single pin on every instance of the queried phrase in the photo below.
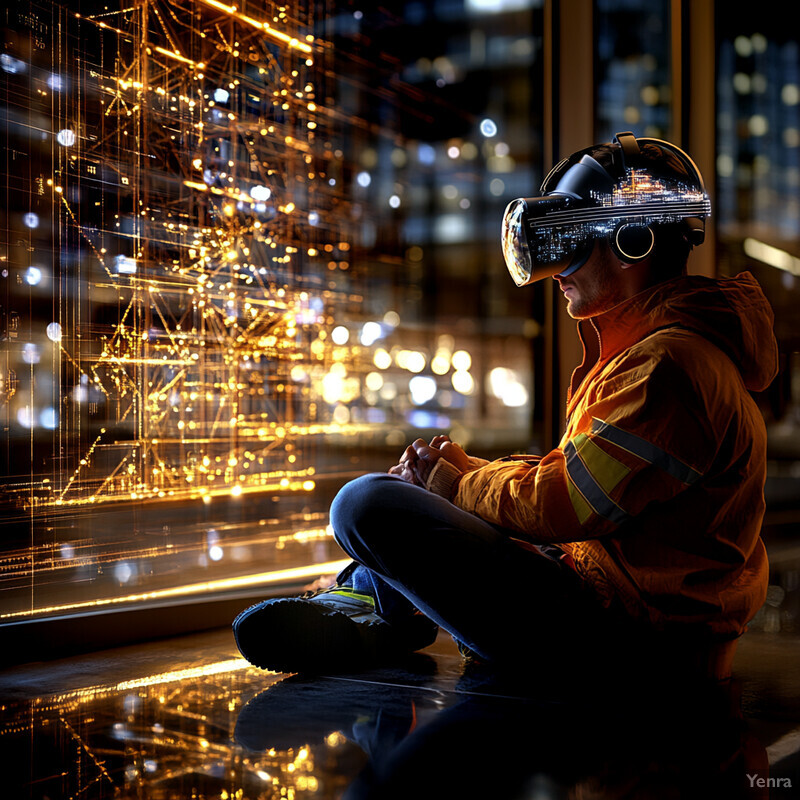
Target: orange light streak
(206, 587)
(178, 57)
(292, 41)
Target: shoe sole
(294, 635)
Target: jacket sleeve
(644, 434)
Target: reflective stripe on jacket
(657, 487)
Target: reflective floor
(187, 718)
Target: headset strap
(629, 146)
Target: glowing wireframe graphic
(180, 270)
(181, 184)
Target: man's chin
(574, 309)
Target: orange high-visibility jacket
(657, 487)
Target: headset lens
(515, 243)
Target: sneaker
(332, 630)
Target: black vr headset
(582, 200)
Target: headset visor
(533, 247)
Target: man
(642, 528)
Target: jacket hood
(732, 313)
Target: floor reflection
(420, 730)
(691, 743)
(168, 735)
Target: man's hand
(417, 462)
(405, 467)
(426, 456)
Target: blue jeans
(416, 550)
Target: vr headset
(582, 201)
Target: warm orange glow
(206, 587)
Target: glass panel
(758, 175)
(632, 68)
(163, 304)
(248, 253)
